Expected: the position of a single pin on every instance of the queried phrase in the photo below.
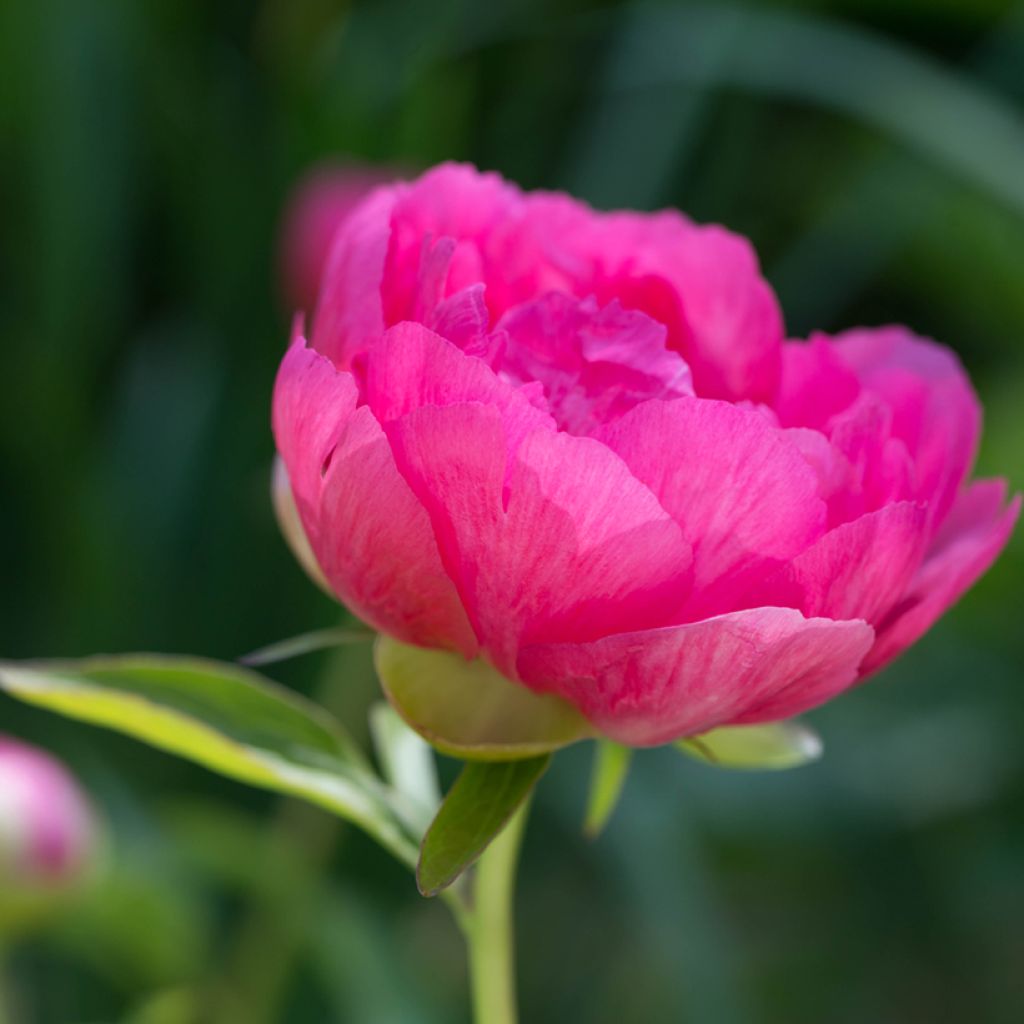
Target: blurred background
(874, 152)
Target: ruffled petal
(653, 686)
(555, 540)
(413, 367)
(372, 539)
(595, 364)
(743, 494)
(858, 570)
(977, 529)
(935, 412)
(815, 384)
(350, 315)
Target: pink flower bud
(318, 206)
(47, 830)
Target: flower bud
(318, 206)
(47, 830)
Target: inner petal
(595, 363)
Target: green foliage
(772, 746)
(476, 809)
(608, 776)
(225, 718)
(469, 710)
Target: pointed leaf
(225, 718)
(306, 643)
(611, 766)
(469, 710)
(407, 762)
(476, 809)
(771, 746)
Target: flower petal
(372, 539)
(977, 529)
(595, 363)
(742, 492)
(654, 686)
(557, 540)
(350, 316)
(935, 412)
(858, 570)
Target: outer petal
(651, 687)
(412, 367)
(732, 313)
(743, 493)
(977, 530)
(372, 539)
(350, 316)
(934, 409)
(859, 570)
(816, 384)
(555, 541)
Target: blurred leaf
(471, 711)
(306, 643)
(476, 809)
(225, 718)
(363, 971)
(611, 766)
(407, 762)
(140, 926)
(938, 113)
(173, 1006)
(772, 746)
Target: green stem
(490, 931)
(6, 999)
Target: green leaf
(306, 643)
(469, 710)
(407, 762)
(225, 718)
(772, 746)
(476, 809)
(611, 766)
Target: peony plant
(568, 469)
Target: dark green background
(874, 152)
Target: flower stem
(490, 932)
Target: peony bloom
(46, 825)
(319, 205)
(576, 445)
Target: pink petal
(312, 403)
(935, 412)
(816, 384)
(732, 313)
(350, 316)
(654, 686)
(371, 538)
(881, 469)
(859, 570)
(555, 541)
(978, 527)
(595, 364)
(412, 367)
(743, 494)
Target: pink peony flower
(576, 444)
(46, 825)
(318, 207)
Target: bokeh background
(874, 152)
